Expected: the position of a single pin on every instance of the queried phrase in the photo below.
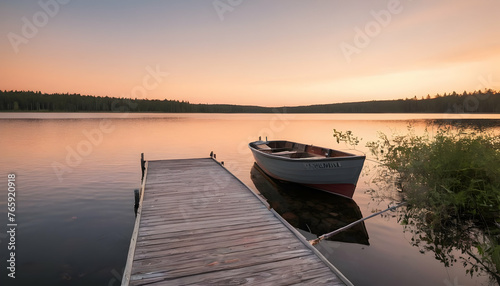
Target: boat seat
(275, 150)
(264, 147)
(284, 153)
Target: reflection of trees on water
(475, 124)
(470, 242)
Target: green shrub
(451, 182)
(454, 173)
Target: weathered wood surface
(199, 225)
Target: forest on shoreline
(486, 101)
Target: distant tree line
(64, 102)
(487, 101)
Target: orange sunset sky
(252, 52)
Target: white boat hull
(334, 174)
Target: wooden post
(329, 153)
(142, 165)
(137, 198)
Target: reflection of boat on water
(320, 168)
(309, 210)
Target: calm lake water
(76, 173)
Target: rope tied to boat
(330, 234)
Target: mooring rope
(330, 234)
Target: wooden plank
(201, 210)
(197, 224)
(260, 274)
(194, 234)
(197, 217)
(194, 238)
(211, 262)
(201, 204)
(245, 242)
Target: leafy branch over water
(347, 137)
(451, 182)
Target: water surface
(76, 173)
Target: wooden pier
(197, 224)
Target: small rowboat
(320, 168)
